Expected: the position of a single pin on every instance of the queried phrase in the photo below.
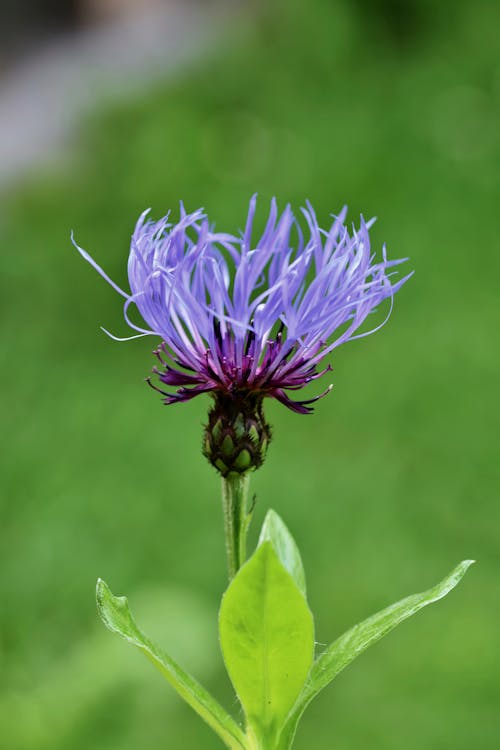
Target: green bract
(267, 640)
(116, 615)
(275, 531)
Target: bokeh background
(391, 107)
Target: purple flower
(251, 315)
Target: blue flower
(251, 315)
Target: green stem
(236, 519)
(262, 743)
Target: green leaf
(356, 640)
(267, 640)
(275, 531)
(116, 615)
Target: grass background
(392, 108)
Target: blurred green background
(393, 108)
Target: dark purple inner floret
(236, 380)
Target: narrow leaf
(267, 640)
(116, 615)
(275, 531)
(356, 640)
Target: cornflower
(247, 317)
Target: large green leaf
(356, 640)
(267, 640)
(116, 615)
(275, 531)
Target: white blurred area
(61, 58)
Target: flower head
(251, 314)
(245, 317)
